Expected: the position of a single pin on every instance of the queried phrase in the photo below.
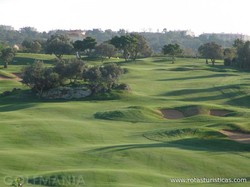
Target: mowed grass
(126, 141)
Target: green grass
(124, 140)
(5, 74)
(131, 114)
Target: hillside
(130, 141)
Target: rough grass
(42, 140)
(167, 135)
(131, 114)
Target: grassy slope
(64, 138)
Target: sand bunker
(237, 136)
(192, 111)
(172, 114)
(215, 112)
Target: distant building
(185, 32)
(16, 47)
(189, 33)
(75, 35)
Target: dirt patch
(172, 114)
(236, 136)
(4, 78)
(16, 77)
(221, 113)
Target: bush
(102, 78)
(71, 69)
(40, 78)
(123, 86)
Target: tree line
(130, 46)
(155, 40)
(98, 79)
(238, 55)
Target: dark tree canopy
(102, 78)
(140, 47)
(39, 78)
(7, 55)
(74, 69)
(131, 45)
(124, 44)
(105, 50)
(86, 45)
(59, 45)
(229, 56)
(211, 51)
(98, 78)
(31, 46)
(243, 53)
(172, 50)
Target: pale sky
(213, 16)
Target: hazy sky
(229, 16)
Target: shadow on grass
(27, 98)
(227, 91)
(194, 144)
(28, 61)
(242, 101)
(223, 89)
(198, 77)
(14, 107)
(163, 60)
(17, 101)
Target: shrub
(102, 78)
(40, 78)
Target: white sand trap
(221, 113)
(237, 136)
(172, 114)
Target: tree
(229, 55)
(203, 50)
(140, 46)
(93, 76)
(111, 74)
(102, 78)
(211, 51)
(105, 50)
(40, 78)
(26, 44)
(78, 46)
(243, 53)
(87, 45)
(7, 55)
(173, 50)
(58, 45)
(74, 69)
(71, 69)
(125, 44)
(36, 47)
(31, 46)
(2, 45)
(30, 32)
(238, 43)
